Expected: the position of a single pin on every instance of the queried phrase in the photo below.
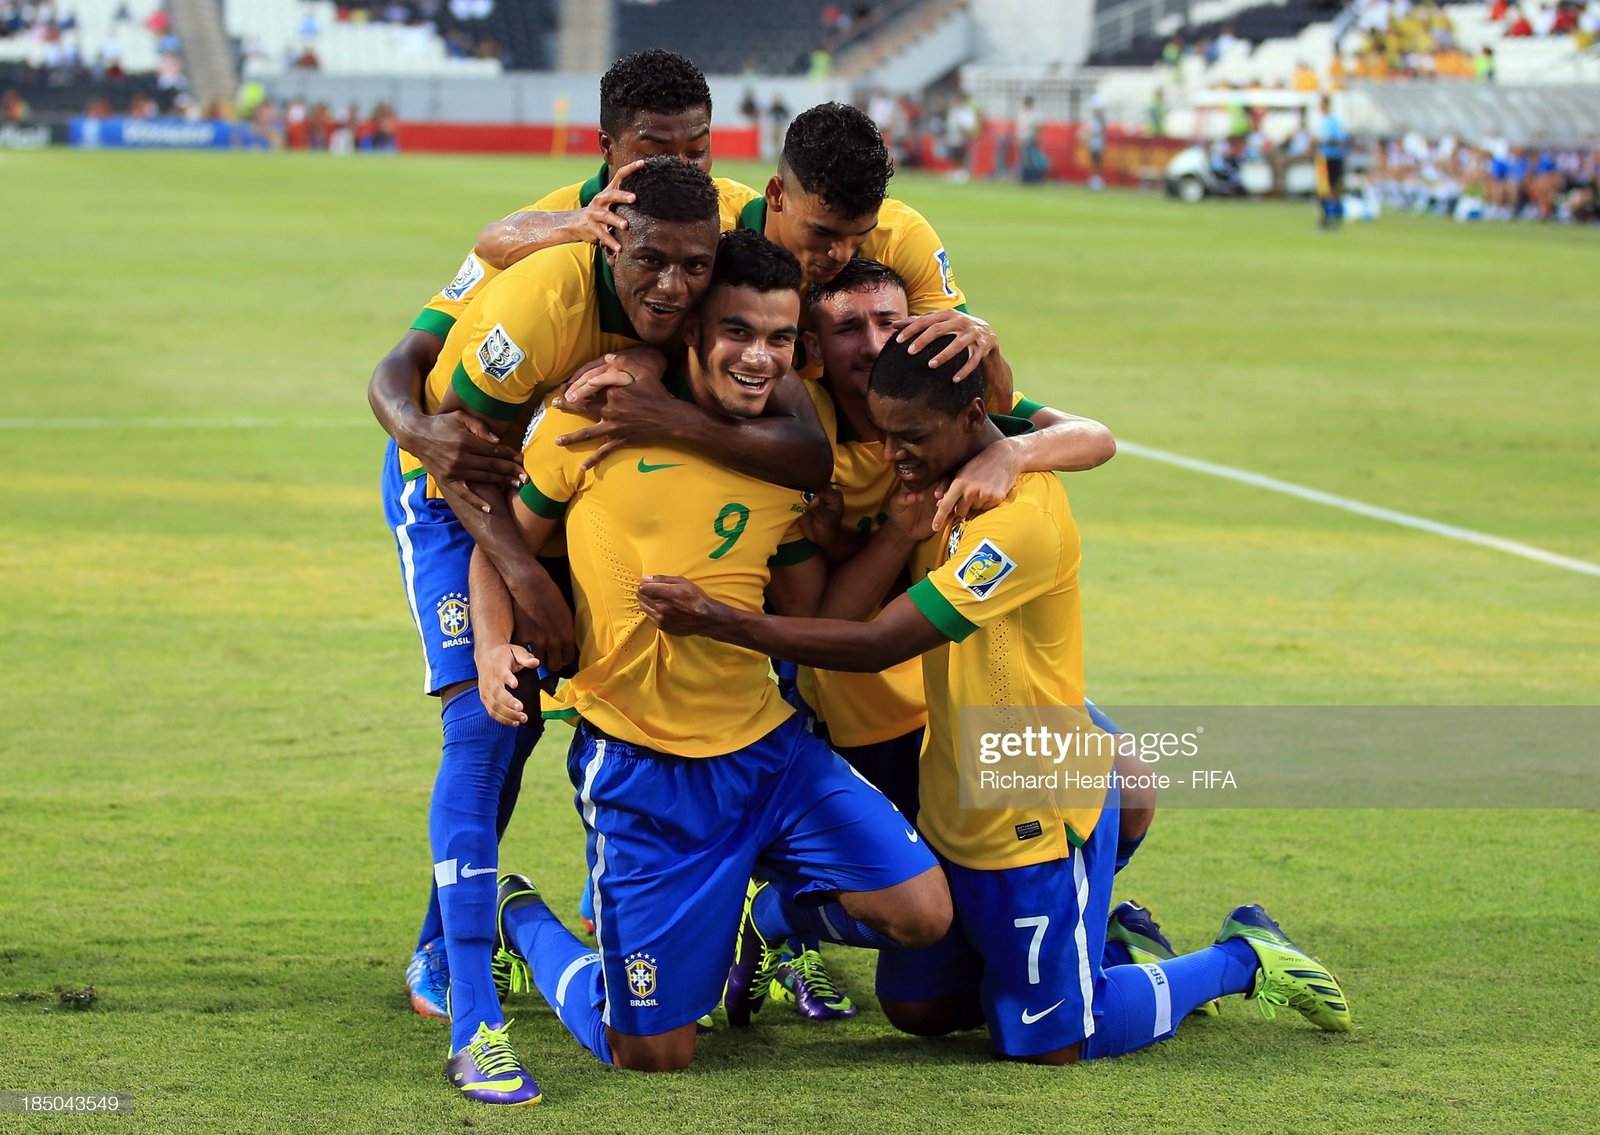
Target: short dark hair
(666, 188)
(746, 259)
(837, 153)
(900, 375)
(655, 81)
(858, 275)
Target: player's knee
(919, 1018)
(1138, 803)
(1068, 1055)
(669, 1052)
(924, 913)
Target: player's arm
(860, 585)
(503, 243)
(451, 447)
(499, 659)
(785, 446)
(900, 631)
(1059, 442)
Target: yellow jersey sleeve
(906, 242)
(552, 469)
(440, 313)
(1001, 559)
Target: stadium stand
(104, 31)
(772, 38)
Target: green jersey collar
(613, 320)
(590, 189)
(754, 215)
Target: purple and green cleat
(803, 980)
(508, 967)
(428, 980)
(1136, 928)
(1289, 978)
(488, 1071)
(755, 964)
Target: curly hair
(837, 153)
(666, 188)
(746, 259)
(655, 81)
(905, 377)
(859, 275)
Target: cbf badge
(641, 971)
(982, 571)
(955, 538)
(455, 619)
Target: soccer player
(516, 341)
(691, 771)
(875, 721)
(994, 611)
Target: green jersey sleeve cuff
(794, 552)
(540, 504)
(477, 400)
(938, 611)
(434, 322)
(1026, 408)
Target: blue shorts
(891, 766)
(1026, 942)
(435, 553)
(674, 841)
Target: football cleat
(803, 981)
(488, 1071)
(509, 968)
(1289, 977)
(586, 905)
(755, 964)
(1136, 928)
(428, 980)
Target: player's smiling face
(686, 135)
(661, 272)
(820, 238)
(922, 444)
(742, 343)
(849, 329)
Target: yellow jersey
(524, 335)
(663, 510)
(1003, 587)
(861, 709)
(442, 311)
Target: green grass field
(217, 764)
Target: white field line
(1226, 472)
(1361, 508)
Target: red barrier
(1128, 156)
(490, 138)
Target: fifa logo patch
(455, 619)
(947, 275)
(499, 354)
(641, 971)
(983, 570)
(466, 279)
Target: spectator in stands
(1483, 65)
(1517, 24)
(1227, 44)
(777, 123)
(1032, 165)
(13, 107)
(1156, 113)
(1095, 139)
(384, 135)
(307, 59)
(962, 125)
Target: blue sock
(527, 737)
(567, 972)
(799, 944)
(1125, 850)
(778, 916)
(1139, 1005)
(1115, 954)
(461, 828)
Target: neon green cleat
(1289, 977)
(755, 964)
(803, 981)
(509, 968)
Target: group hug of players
(663, 432)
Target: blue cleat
(428, 980)
(1136, 928)
(488, 1071)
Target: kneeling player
(994, 610)
(691, 772)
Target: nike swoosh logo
(913, 836)
(1029, 1018)
(510, 1085)
(468, 871)
(647, 468)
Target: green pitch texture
(217, 764)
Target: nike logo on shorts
(1029, 1018)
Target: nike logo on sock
(468, 871)
(1029, 1018)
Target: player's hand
(823, 522)
(980, 484)
(972, 334)
(498, 667)
(599, 217)
(639, 412)
(618, 368)
(544, 619)
(461, 448)
(679, 607)
(912, 513)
